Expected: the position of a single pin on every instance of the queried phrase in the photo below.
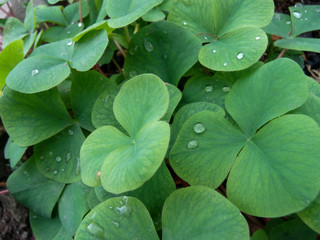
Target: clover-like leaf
(214, 217)
(58, 157)
(14, 152)
(30, 19)
(228, 28)
(34, 190)
(310, 215)
(13, 30)
(272, 95)
(32, 118)
(300, 44)
(280, 25)
(174, 98)
(73, 206)
(124, 12)
(162, 44)
(50, 14)
(123, 218)
(9, 58)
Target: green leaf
(235, 50)
(310, 215)
(58, 157)
(124, 12)
(13, 30)
(30, 19)
(102, 111)
(50, 14)
(14, 152)
(122, 218)
(9, 58)
(152, 193)
(280, 25)
(32, 118)
(213, 216)
(89, 50)
(154, 15)
(34, 190)
(57, 33)
(282, 160)
(162, 44)
(272, 90)
(300, 44)
(259, 235)
(304, 19)
(292, 229)
(48, 228)
(38, 74)
(96, 26)
(85, 89)
(71, 12)
(103, 11)
(141, 100)
(95, 150)
(28, 42)
(73, 206)
(205, 149)
(92, 199)
(175, 97)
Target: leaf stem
(117, 65)
(4, 192)
(3, 184)
(97, 67)
(5, 12)
(120, 48)
(282, 53)
(80, 12)
(126, 31)
(10, 10)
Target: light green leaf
(235, 50)
(280, 25)
(305, 18)
(32, 118)
(154, 15)
(38, 74)
(272, 90)
(175, 97)
(50, 14)
(96, 26)
(213, 216)
(89, 50)
(28, 42)
(73, 206)
(71, 12)
(9, 58)
(310, 215)
(95, 150)
(141, 100)
(124, 218)
(300, 44)
(85, 89)
(205, 149)
(58, 157)
(30, 19)
(131, 165)
(13, 30)
(282, 160)
(14, 152)
(124, 12)
(34, 190)
(162, 44)
(48, 228)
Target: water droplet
(41, 157)
(58, 158)
(208, 88)
(240, 55)
(226, 89)
(50, 153)
(288, 22)
(69, 43)
(68, 32)
(34, 72)
(121, 203)
(318, 10)
(298, 5)
(110, 207)
(124, 210)
(225, 64)
(297, 14)
(132, 74)
(258, 38)
(165, 56)
(205, 38)
(68, 158)
(214, 51)
(78, 167)
(55, 172)
(193, 144)
(184, 23)
(95, 230)
(70, 132)
(79, 24)
(305, 11)
(306, 19)
(148, 45)
(62, 170)
(116, 224)
(199, 127)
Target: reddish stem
(80, 11)
(3, 184)
(10, 10)
(97, 67)
(5, 12)
(4, 192)
(282, 53)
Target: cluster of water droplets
(198, 128)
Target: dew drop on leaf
(62, 170)
(184, 23)
(41, 157)
(258, 38)
(199, 127)
(34, 72)
(70, 132)
(116, 224)
(192, 144)
(208, 88)
(96, 230)
(214, 51)
(79, 24)
(69, 43)
(68, 32)
(58, 158)
(78, 167)
(288, 22)
(68, 158)
(297, 14)
(132, 74)
(50, 153)
(298, 5)
(148, 45)
(225, 64)
(318, 10)
(55, 172)
(240, 55)
(226, 89)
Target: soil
(14, 223)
